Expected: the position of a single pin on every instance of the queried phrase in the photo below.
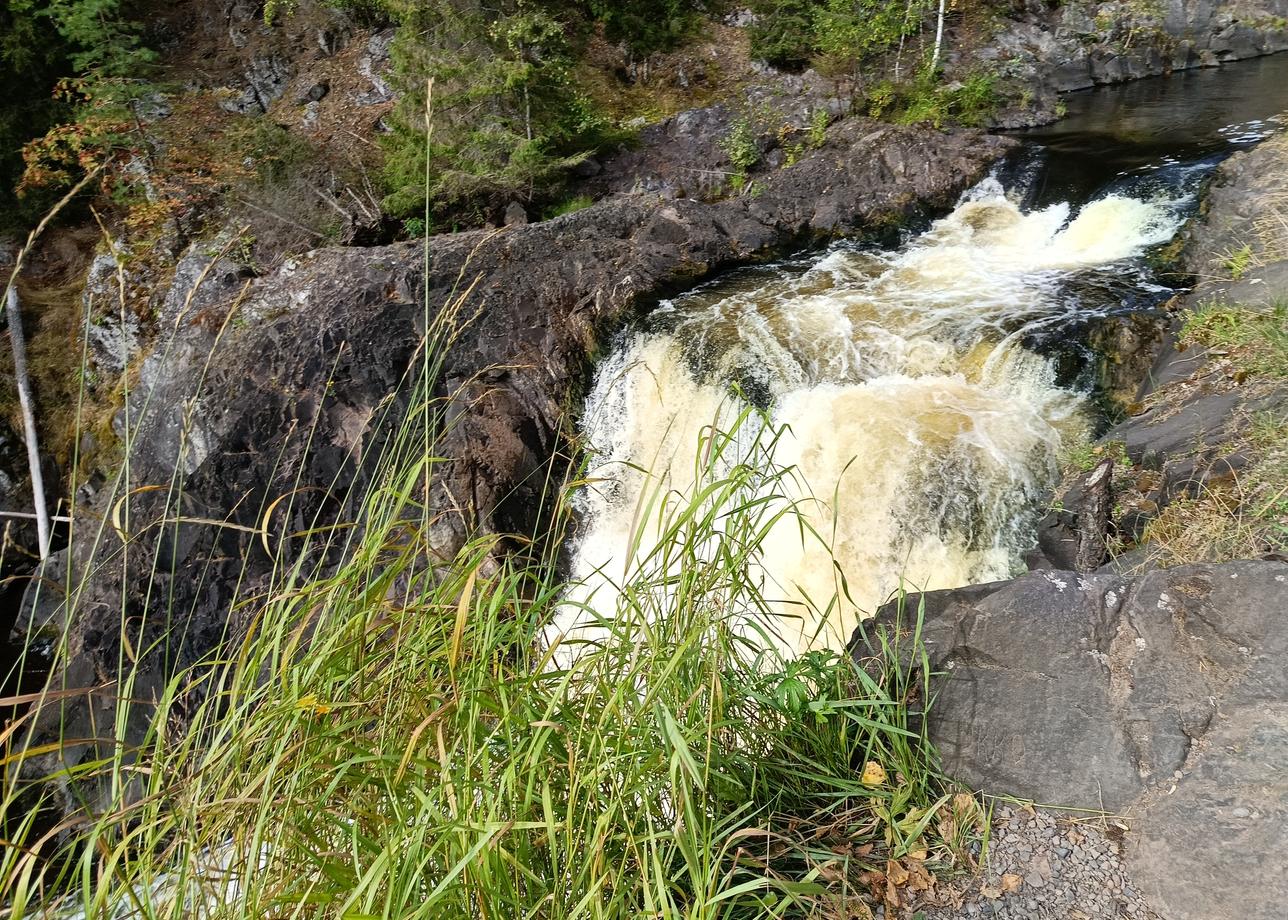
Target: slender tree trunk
(939, 38)
(20, 358)
(19, 344)
(903, 37)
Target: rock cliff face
(1057, 48)
(279, 387)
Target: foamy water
(920, 433)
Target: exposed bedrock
(1163, 698)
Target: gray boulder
(1163, 698)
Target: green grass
(1256, 341)
(393, 739)
(1239, 261)
(1234, 517)
(1085, 455)
(570, 206)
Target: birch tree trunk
(19, 343)
(939, 38)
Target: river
(918, 398)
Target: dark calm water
(1161, 132)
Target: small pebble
(1069, 872)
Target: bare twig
(28, 516)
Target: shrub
(30, 65)
(924, 100)
(783, 34)
(849, 31)
(645, 26)
(741, 146)
(842, 33)
(507, 120)
(70, 91)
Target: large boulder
(1163, 698)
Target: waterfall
(920, 430)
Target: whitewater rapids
(920, 433)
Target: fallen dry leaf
(919, 879)
(990, 892)
(896, 874)
(892, 899)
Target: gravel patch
(1046, 866)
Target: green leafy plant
(818, 125)
(847, 32)
(1085, 455)
(742, 146)
(881, 98)
(1239, 261)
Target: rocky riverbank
(256, 374)
(1159, 695)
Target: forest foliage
(59, 61)
(509, 117)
